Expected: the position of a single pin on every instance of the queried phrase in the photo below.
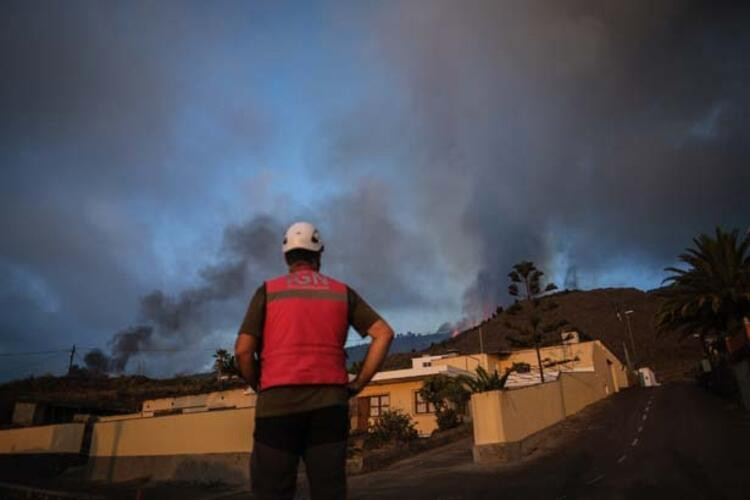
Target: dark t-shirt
(284, 400)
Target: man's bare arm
(244, 353)
(381, 334)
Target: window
(379, 404)
(421, 405)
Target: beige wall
(401, 395)
(530, 409)
(619, 370)
(579, 389)
(488, 420)
(582, 351)
(233, 398)
(469, 363)
(512, 415)
(590, 355)
(223, 431)
(609, 369)
(60, 438)
(25, 413)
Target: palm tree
(712, 295)
(484, 381)
(526, 286)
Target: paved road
(669, 442)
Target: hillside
(402, 343)
(592, 313)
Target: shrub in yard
(393, 426)
(447, 418)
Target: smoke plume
(248, 252)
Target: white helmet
(302, 235)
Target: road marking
(597, 478)
(562, 497)
(621, 459)
(647, 408)
(635, 442)
(640, 429)
(645, 416)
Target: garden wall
(211, 446)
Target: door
(363, 413)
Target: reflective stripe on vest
(304, 331)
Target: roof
(517, 380)
(417, 373)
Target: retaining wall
(40, 451)
(212, 446)
(506, 422)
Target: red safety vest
(304, 331)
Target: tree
(712, 295)
(225, 365)
(96, 361)
(530, 325)
(448, 396)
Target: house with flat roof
(399, 389)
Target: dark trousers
(318, 437)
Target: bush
(393, 426)
(447, 418)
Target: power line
(33, 353)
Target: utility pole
(481, 340)
(627, 356)
(70, 363)
(630, 332)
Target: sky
(152, 154)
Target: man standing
(290, 349)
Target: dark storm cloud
(95, 147)
(594, 137)
(597, 136)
